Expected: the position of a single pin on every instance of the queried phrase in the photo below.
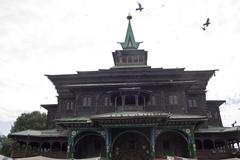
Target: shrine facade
(131, 112)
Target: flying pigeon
(207, 23)
(140, 8)
(234, 123)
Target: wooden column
(144, 103)
(136, 100)
(115, 104)
(152, 140)
(70, 146)
(191, 143)
(108, 142)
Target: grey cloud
(5, 127)
(233, 101)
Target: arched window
(208, 144)
(56, 147)
(34, 146)
(119, 101)
(171, 143)
(124, 59)
(140, 100)
(173, 99)
(192, 103)
(64, 147)
(69, 105)
(129, 59)
(219, 143)
(22, 145)
(135, 59)
(45, 147)
(141, 59)
(198, 144)
(153, 100)
(130, 100)
(89, 145)
(87, 101)
(107, 101)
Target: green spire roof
(129, 42)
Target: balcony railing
(130, 108)
(217, 154)
(20, 154)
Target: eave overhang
(214, 130)
(40, 133)
(217, 103)
(132, 84)
(49, 106)
(131, 118)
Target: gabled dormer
(130, 55)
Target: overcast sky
(40, 37)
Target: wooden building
(131, 112)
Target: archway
(34, 146)
(45, 147)
(198, 144)
(219, 144)
(131, 145)
(56, 147)
(64, 147)
(22, 145)
(172, 143)
(208, 144)
(89, 145)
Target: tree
(34, 120)
(6, 146)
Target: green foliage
(34, 120)
(6, 146)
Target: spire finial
(129, 17)
(129, 42)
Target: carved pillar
(152, 140)
(115, 104)
(144, 102)
(136, 100)
(191, 143)
(61, 146)
(27, 147)
(226, 145)
(162, 101)
(108, 141)
(70, 146)
(50, 147)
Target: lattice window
(173, 99)
(192, 103)
(87, 101)
(69, 105)
(107, 101)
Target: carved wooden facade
(132, 111)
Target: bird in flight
(234, 123)
(140, 8)
(206, 24)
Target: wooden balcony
(21, 154)
(217, 154)
(130, 108)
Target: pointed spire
(129, 42)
